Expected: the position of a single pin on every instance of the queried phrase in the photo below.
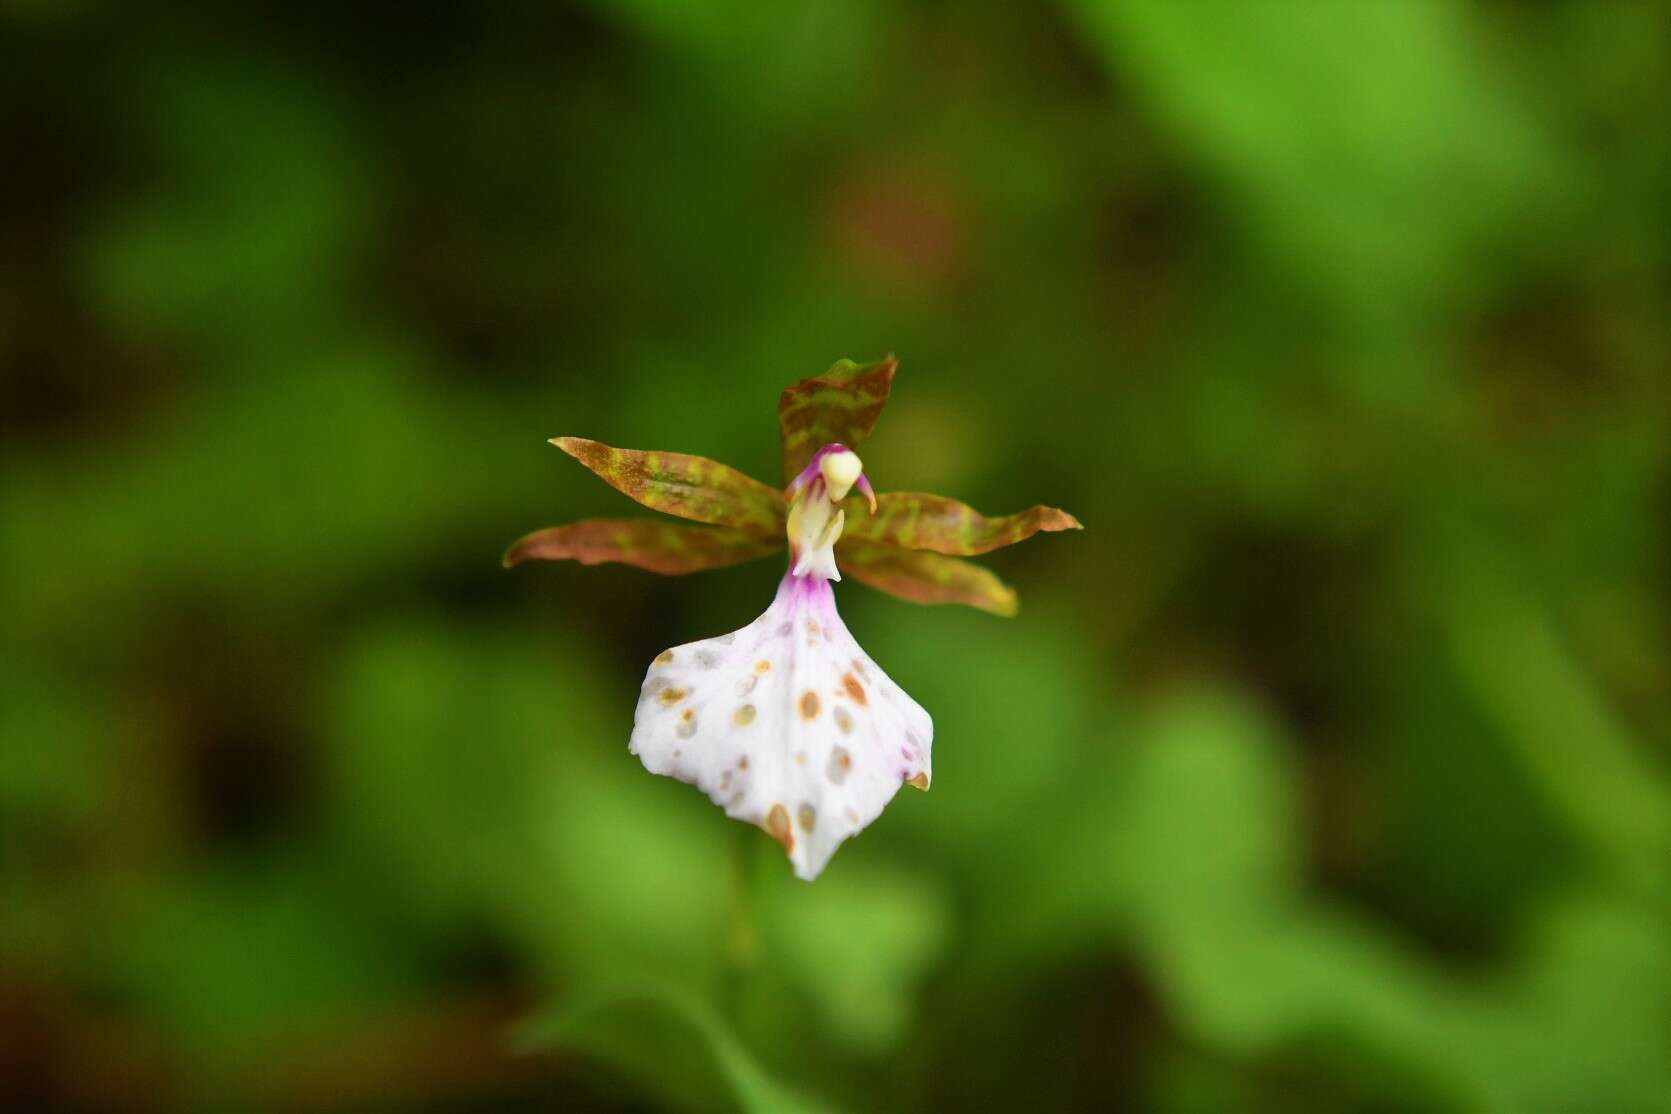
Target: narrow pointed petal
(841, 405)
(868, 492)
(941, 525)
(923, 577)
(786, 724)
(680, 484)
(645, 543)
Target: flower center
(815, 518)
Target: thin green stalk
(742, 936)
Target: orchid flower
(787, 724)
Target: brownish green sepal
(645, 543)
(841, 405)
(917, 521)
(692, 487)
(924, 577)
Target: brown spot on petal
(839, 766)
(807, 816)
(859, 668)
(809, 705)
(671, 696)
(742, 762)
(855, 691)
(800, 758)
(762, 666)
(918, 780)
(844, 719)
(743, 716)
(687, 726)
(777, 826)
(665, 658)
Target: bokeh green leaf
(673, 1046)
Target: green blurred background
(1326, 770)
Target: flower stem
(742, 939)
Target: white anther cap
(840, 471)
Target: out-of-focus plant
(1329, 773)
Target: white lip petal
(786, 724)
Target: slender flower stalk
(786, 723)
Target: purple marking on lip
(807, 592)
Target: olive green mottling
(907, 548)
(646, 543)
(841, 405)
(680, 484)
(914, 520)
(923, 577)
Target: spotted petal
(786, 724)
(646, 543)
(924, 577)
(680, 484)
(842, 405)
(914, 520)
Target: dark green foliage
(1327, 771)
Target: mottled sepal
(912, 520)
(645, 543)
(692, 487)
(924, 577)
(841, 405)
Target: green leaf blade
(673, 1045)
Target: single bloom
(787, 723)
